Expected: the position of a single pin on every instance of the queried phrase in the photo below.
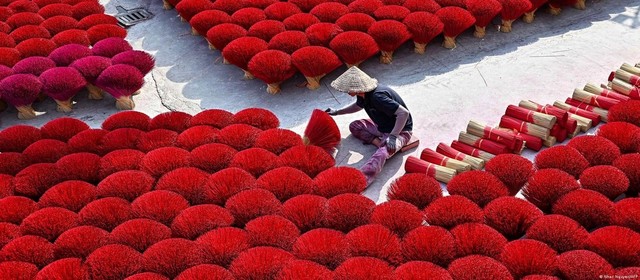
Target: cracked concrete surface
(444, 89)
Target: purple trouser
(366, 130)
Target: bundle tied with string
(314, 62)
(530, 14)
(424, 26)
(632, 79)
(472, 151)
(531, 116)
(440, 173)
(432, 156)
(625, 88)
(594, 100)
(524, 127)
(585, 106)
(631, 69)
(586, 120)
(562, 116)
(560, 133)
(513, 143)
(476, 163)
(531, 142)
(483, 144)
(605, 92)
(322, 131)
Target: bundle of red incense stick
(564, 121)
(594, 100)
(472, 151)
(476, 163)
(486, 145)
(625, 88)
(524, 127)
(432, 156)
(440, 173)
(531, 116)
(580, 113)
(605, 92)
(507, 138)
(582, 105)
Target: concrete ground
(444, 89)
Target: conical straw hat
(354, 80)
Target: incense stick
(431, 156)
(507, 138)
(469, 150)
(531, 116)
(630, 68)
(476, 163)
(524, 127)
(440, 173)
(577, 103)
(595, 118)
(605, 92)
(594, 100)
(483, 144)
(625, 88)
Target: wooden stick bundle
(531, 116)
(469, 150)
(483, 144)
(476, 163)
(524, 127)
(625, 76)
(625, 88)
(441, 173)
(593, 117)
(550, 141)
(605, 92)
(531, 141)
(432, 156)
(561, 116)
(594, 100)
(507, 138)
(582, 105)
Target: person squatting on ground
(389, 125)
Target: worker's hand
(331, 111)
(392, 144)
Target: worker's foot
(377, 142)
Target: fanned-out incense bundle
(582, 105)
(389, 35)
(630, 78)
(625, 88)
(530, 14)
(432, 156)
(524, 127)
(484, 11)
(595, 100)
(456, 20)
(483, 144)
(531, 116)
(315, 62)
(441, 173)
(476, 163)
(424, 27)
(512, 10)
(469, 150)
(273, 67)
(586, 115)
(555, 6)
(354, 47)
(605, 92)
(507, 138)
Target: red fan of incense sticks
(322, 131)
(441, 173)
(431, 156)
(530, 14)
(476, 163)
(61, 84)
(389, 35)
(524, 127)
(273, 67)
(315, 62)
(512, 10)
(605, 92)
(424, 27)
(456, 20)
(20, 90)
(353, 47)
(484, 11)
(509, 139)
(469, 150)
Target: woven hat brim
(354, 80)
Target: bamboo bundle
(550, 141)
(469, 150)
(605, 92)
(441, 173)
(625, 88)
(631, 69)
(483, 144)
(509, 139)
(524, 127)
(595, 100)
(476, 163)
(530, 141)
(630, 78)
(432, 156)
(531, 116)
(561, 117)
(576, 103)
(591, 116)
